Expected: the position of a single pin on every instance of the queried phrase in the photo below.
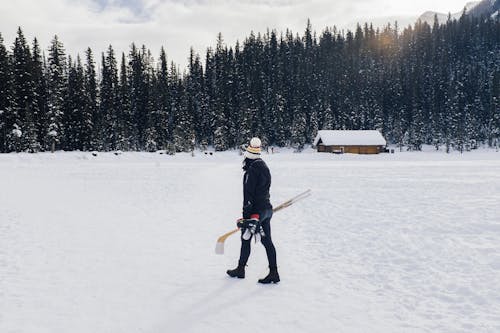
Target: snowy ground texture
(406, 242)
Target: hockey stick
(219, 246)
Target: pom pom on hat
(255, 142)
(253, 150)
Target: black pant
(265, 223)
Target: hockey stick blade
(219, 248)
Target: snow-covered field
(406, 242)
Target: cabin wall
(350, 149)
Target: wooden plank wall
(350, 149)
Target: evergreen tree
(241, 114)
(5, 96)
(183, 139)
(56, 87)
(139, 95)
(22, 136)
(40, 105)
(127, 128)
(298, 130)
(153, 114)
(494, 121)
(109, 119)
(163, 119)
(88, 130)
(74, 107)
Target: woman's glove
(250, 226)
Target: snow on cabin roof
(350, 138)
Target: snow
(471, 4)
(17, 132)
(428, 16)
(350, 138)
(404, 242)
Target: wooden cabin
(353, 142)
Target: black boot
(272, 277)
(238, 272)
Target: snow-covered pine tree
(183, 137)
(109, 121)
(298, 130)
(458, 112)
(69, 109)
(271, 78)
(88, 132)
(438, 78)
(313, 124)
(127, 129)
(308, 98)
(288, 71)
(40, 98)
(139, 94)
(197, 99)
(221, 97)
(278, 123)
(5, 95)
(153, 114)
(81, 116)
(398, 131)
(74, 106)
(327, 121)
(22, 136)
(164, 117)
(211, 96)
(239, 114)
(492, 119)
(56, 86)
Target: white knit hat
(253, 150)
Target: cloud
(179, 24)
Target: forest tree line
(433, 84)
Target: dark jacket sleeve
(249, 192)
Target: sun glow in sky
(180, 24)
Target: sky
(178, 25)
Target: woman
(257, 212)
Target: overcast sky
(179, 24)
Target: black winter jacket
(256, 184)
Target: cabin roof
(350, 138)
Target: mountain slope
(486, 8)
(474, 8)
